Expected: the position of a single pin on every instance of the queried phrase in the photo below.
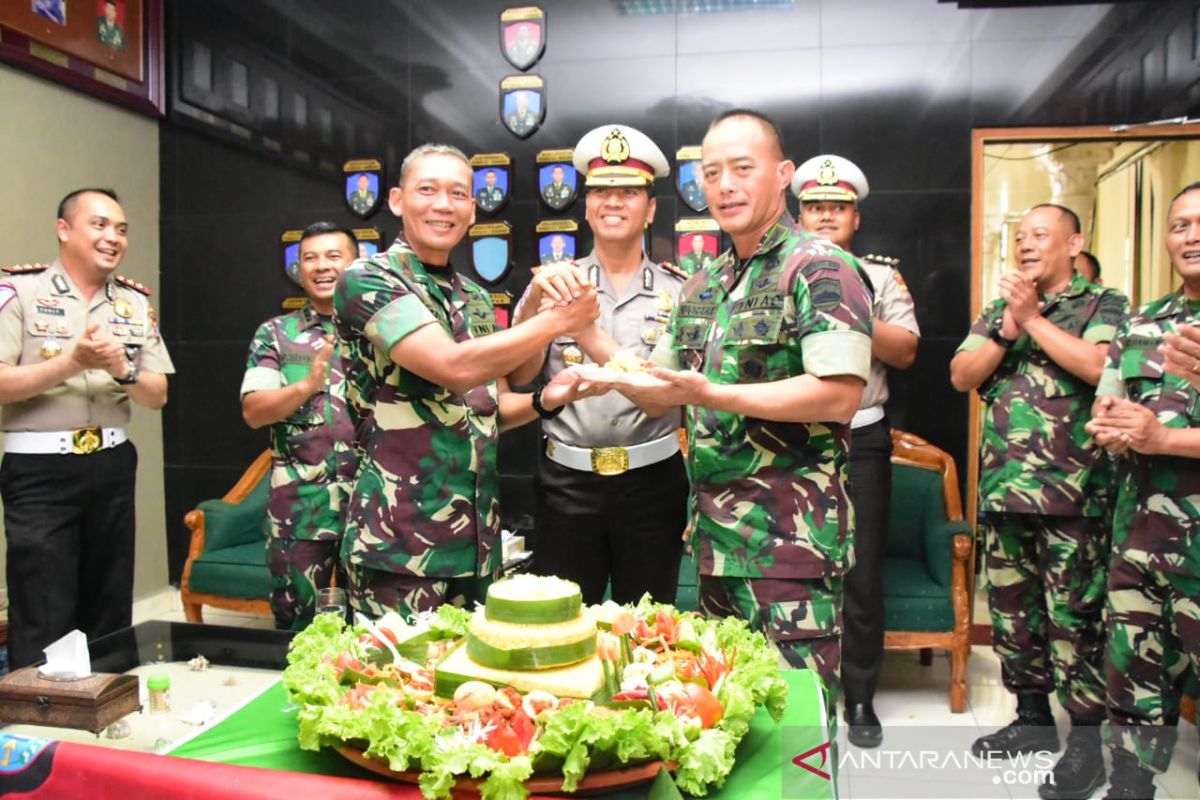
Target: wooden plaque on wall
(111, 49)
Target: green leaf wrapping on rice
(533, 612)
(526, 658)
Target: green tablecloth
(263, 734)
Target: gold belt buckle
(610, 460)
(85, 441)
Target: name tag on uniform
(697, 310)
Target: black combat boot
(1130, 780)
(1080, 771)
(1031, 732)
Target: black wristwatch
(132, 377)
(999, 338)
(540, 409)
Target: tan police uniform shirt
(41, 311)
(893, 305)
(634, 320)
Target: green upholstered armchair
(227, 561)
(927, 587)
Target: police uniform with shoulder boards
(612, 488)
(69, 470)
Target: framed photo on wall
(111, 49)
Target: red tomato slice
(524, 728)
(504, 739)
(346, 661)
(705, 704)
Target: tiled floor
(913, 695)
(910, 694)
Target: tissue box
(91, 704)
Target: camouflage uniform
(1043, 496)
(110, 35)
(303, 510)
(424, 507)
(770, 515)
(1154, 582)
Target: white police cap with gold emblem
(830, 177)
(618, 155)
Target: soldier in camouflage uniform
(285, 386)
(424, 365)
(696, 260)
(1035, 354)
(557, 193)
(363, 200)
(769, 348)
(108, 30)
(1153, 614)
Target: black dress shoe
(864, 728)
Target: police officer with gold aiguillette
(612, 489)
(77, 344)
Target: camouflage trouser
(1153, 621)
(802, 616)
(298, 568)
(374, 592)
(1046, 578)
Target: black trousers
(862, 613)
(590, 528)
(69, 521)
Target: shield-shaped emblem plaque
(369, 241)
(491, 181)
(502, 305)
(689, 179)
(290, 241)
(697, 243)
(364, 185)
(523, 35)
(556, 240)
(491, 251)
(522, 104)
(557, 179)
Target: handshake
(564, 291)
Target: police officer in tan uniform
(77, 345)
(830, 188)
(612, 490)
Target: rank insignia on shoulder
(888, 260)
(130, 283)
(674, 270)
(20, 269)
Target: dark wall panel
(896, 85)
